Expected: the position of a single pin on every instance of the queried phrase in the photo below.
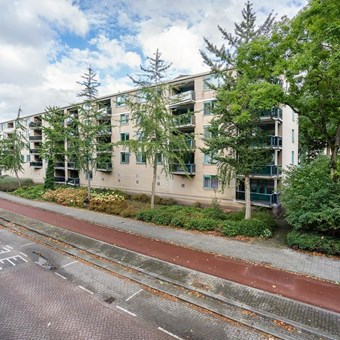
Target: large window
(124, 158)
(208, 107)
(124, 136)
(121, 100)
(210, 182)
(211, 80)
(208, 159)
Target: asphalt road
(47, 295)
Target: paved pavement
(282, 258)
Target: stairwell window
(208, 107)
(124, 119)
(292, 158)
(210, 182)
(124, 136)
(293, 136)
(140, 158)
(124, 158)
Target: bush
(145, 215)
(314, 242)
(109, 203)
(73, 197)
(9, 184)
(203, 224)
(164, 201)
(128, 212)
(34, 192)
(254, 227)
(141, 198)
(311, 198)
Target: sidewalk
(281, 258)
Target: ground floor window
(210, 182)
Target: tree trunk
(154, 178)
(247, 197)
(334, 155)
(88, 185)
(17, 176)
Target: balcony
(59, 165)
(182, 98)
(105, 112)
(104, 131)
(275, 142)
(35, 151)
(72, 166)
(178, 169)
(73, 181)
(185, 121)
(273, 113)
(104, 166)
(59, 179)
(37, 164)
(35, 125)
(268, 200)
(269, 170)
(36, 138)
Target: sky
(47, 45)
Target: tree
(159, 140)
(236, 142)
(84, 140)
(311, 198)
(309, 45)
(53, 146)
(11, 148)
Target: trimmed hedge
(9, 184)
(314, 242)
(254, 227)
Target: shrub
(9, 184)
(314, 242)
(109, 203)
(203, 224)
(311, 198)
(164, 201)
(141, 198)
(32, 192)
(145, 215)
(128, 212)
(74, 197)
(252, 228)
(162, 217)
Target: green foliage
(9, 184)
(33, 192)
(255, 227)
(314, 242)
(311, 198)
(109, 203)
(49, 179)
(202, 224)
(73, 197)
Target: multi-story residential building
(129, 172)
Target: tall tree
(84, 142)
(310, 58)
(159, 141)
(236, 142)
(11, 148)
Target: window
(124, 136)
(140, 158)
(124, 119)
(159, 158)
(208, 107)
(28, 158)
(121, 100)
(207, 160)
(206, 132)
(22, 158)
(211, 80)
(293, 136)
(293, 116)
(210, 182)
(292, 158)
(124, 158)
(139, 135)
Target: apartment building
(198, 182)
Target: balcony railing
(269, 170)
(187, 169)
(73, 181)
(274, 112)
(104, 131)
(60, 165)
(34, 150)
(182, 98)
(261, 199)
(107, 166)
(275, 141)
(185, 121)
(59, 179)
(37, 164)
(105, 112)
(34, 125)
(72, 165)
(35, 138)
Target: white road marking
(126, 311)
(63, 277)
(23, 253)
(9, 246)
(68, 264)
(86, 290)
(12, 258)
(133, 295)
(167, 332)
(27, 244)
(4, 250)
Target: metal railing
(269, 170)
(37, 164)
(177, 168)
(35, 138)
(182, 98)
(264, 199)
(73, 181)
(274, 112)
(185, 120)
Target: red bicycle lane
(291, 285)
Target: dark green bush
(251, 228)
(128, 212)
(314, 242)
(145, 215)
(141, 198)
(203, 224)
(164, 201)
(162, 217)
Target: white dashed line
(63, 277)
(86, 290)
(173, 335)
(23, 254)
(68, 264)
(27, 244)
(129, 298)
(9, 247)
(126, 311)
